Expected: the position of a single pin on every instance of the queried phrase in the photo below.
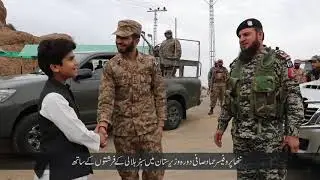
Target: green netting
(9, 54)
(30, 51)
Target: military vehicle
(309, 135)
(19, 94)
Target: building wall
(16, 66)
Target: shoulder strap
(265, 66)
(235, 68)
(268, 59)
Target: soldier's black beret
(249, 23)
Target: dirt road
(197, 130)
(193, 136)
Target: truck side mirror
(83, 74)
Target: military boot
(211, 111)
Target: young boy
(64, 136)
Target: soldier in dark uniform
(260, 98)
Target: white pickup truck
(310, 131)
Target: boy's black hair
(53, 51)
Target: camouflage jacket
(132, 96)
(170, 48)
(246, 125)
(218, 75)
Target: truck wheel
(174, 115)
(26, 137)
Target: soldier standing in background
(217, 78)
(133, 100)
(314, 74)
(170, 49)
(298, 73)
(260, 98)
(210, 76)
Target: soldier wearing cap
(217, 78)
(298, 73)
(132, 100)
(170, 49)
(260, 98)
(314, 74)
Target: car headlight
(314, 120)
(317, 122)
(6, 94)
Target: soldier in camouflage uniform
(170, 49)
(133, 100)
(298, 73)
(258, 90)
(217, 77)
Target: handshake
(102, 131)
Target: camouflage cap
(297, 61)
(168, 32)
(315, 58)
(127, 28)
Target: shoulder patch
(289, 64)
(282, 55)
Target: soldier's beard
(247, 54)
(128, 49)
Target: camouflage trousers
(241, 146)
(149, 143)
(217, 92)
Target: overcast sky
(293, 25)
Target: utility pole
(175, 28)
(211, 33)
(155, 20)
(212, 51)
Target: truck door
(86, 91)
